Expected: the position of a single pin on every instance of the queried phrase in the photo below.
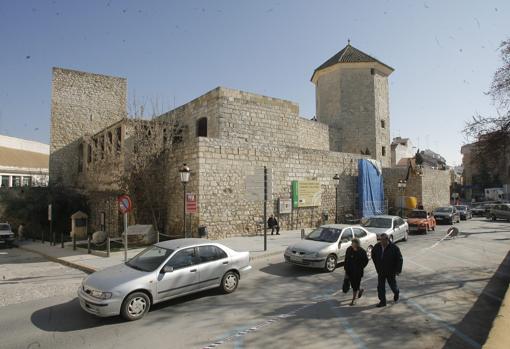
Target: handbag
(346, 285)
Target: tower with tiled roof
(351, 91)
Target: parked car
(447, 214)
(162, 271)
(325, 246)
(464, 212)
(394, 226)
(420, 221)
(478, 210)
(500, 211)
(6, 234)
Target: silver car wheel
(330, 263)
(231, 282)
(137, 306)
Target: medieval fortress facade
(227, 135)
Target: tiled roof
(10, 157)
(350, 54)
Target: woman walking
(355, 261)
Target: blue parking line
(452, 329)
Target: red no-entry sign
(125, 204)
(191, 203)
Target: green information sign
(306, 193)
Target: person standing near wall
(273, 224)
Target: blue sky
(444, 54)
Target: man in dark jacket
(273, 224)
(388, 263)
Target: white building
(402, 150)
(23, 162)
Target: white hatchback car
(325, 246)
(394, 226)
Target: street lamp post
(184, 173)
(336, 178)
(401, 189)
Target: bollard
(42, 236)
(53, 239)
(302, 234)
(88, 243)
(74, 241)
(107, 246)
(62, 239)
(157, 236)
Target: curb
(265, 255)
(499, 337)
(83, 268)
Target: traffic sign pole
(265, 208)
(125, 236)
(125, 206)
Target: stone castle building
(225, 136)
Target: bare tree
(492, 133)
(150, 143)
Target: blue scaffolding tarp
(370, 188)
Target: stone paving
(26, 276)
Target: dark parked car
(478, 210)
(447, 215)
(500, 211)
(464, 211)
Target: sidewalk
(89, 263)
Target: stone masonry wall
(250, 119)
(345, 102)
(81, 103)
(223, 168)
(382, 116)
(435, 188)
(432, 189)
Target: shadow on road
(478, 321)
(69, 316)
(289, 271)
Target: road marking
(452, 329)
(345, 324)
(473, 289)
(256, 327)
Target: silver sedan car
(325, 246)
(160, 272)
(393, 226)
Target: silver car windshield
(377, 222)
(149, 259)
(5, 227)
(324, 234)
(444, 209)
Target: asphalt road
(450, 293)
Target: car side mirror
(167, 269)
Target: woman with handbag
(355, 262)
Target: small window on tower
(383, 151)
(202, 127)
(383, 124)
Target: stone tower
(351, 90)
(81, 103)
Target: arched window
(202, 127)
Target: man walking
(388, 263)
(273, 224)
